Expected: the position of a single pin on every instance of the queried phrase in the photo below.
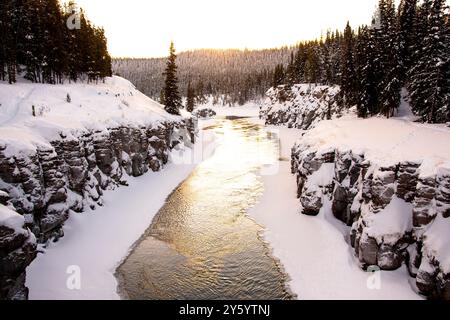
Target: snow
(385, 141)
(437, 242)
(11, 219)
(96, 242)
(392, 222)
(313, 250)
(300, 106)
(93, 107)
(322, 177)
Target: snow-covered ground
(70, 108)
(313, 250)
(385, 141)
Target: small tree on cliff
(172, 97)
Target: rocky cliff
(394, 194)
(60, 161)
(301, 106)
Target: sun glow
(144, 28)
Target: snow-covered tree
(172, 97)
(348, 73)
(430, 78)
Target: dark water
(202, 244)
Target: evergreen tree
(278, 75)
(312, 66)
(390, 84)
(171, 95)
(348, 73)
(366, 93)
(407, 32)
(190, 102)
(430, 80)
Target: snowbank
(385, 141)
(72, 110)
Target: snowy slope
(385, 141)
(92, 107)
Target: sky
(144, 28)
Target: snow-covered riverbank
(313, 250)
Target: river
(202, 244)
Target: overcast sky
(144, 28)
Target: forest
(48, 43)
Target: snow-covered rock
(58, 154)
(300, 106)
(17, 250)
(204, 113)
(389, 180)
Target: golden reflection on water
(202, 245)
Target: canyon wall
(396, 214)
(301, 106)
(68, 175)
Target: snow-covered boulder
(204, 113)
(300, 106)
(17, 250)
(389, 181)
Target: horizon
(271, 27)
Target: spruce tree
(366, 93)
(430, 81)
(348, 73)
(278, 76)
(312, 66)
(171, 94)
(390, 84)
(407, 33)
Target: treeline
(48, 43)
(405, 46)
(236, 76)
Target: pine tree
(366, 93)
(390, 84)
(278, 76)
(171, 95)
(430, 83)
(407, 33)
(190, 102)
(348, 73)
(312, 66)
